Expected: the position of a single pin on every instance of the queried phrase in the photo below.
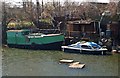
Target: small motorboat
(84, 48)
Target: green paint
(27, 38)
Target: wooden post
(4, 25)
(1, 39)
(0, 24)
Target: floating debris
(114, 51)
(66, 61)
(72, 64)
(77, 65)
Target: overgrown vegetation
(29, 14)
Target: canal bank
(20, 62)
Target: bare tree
(118, 10)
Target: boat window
(95, 46)
(74, 45)
(86, 47)
(77, 46)
(27, 39)
(25, 33)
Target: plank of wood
(66, 61)
(77, 66)
(74, 63)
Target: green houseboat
(30, 40)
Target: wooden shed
(80, 28)
(115, 29)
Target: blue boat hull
(50, 46)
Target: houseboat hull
(50, 46)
